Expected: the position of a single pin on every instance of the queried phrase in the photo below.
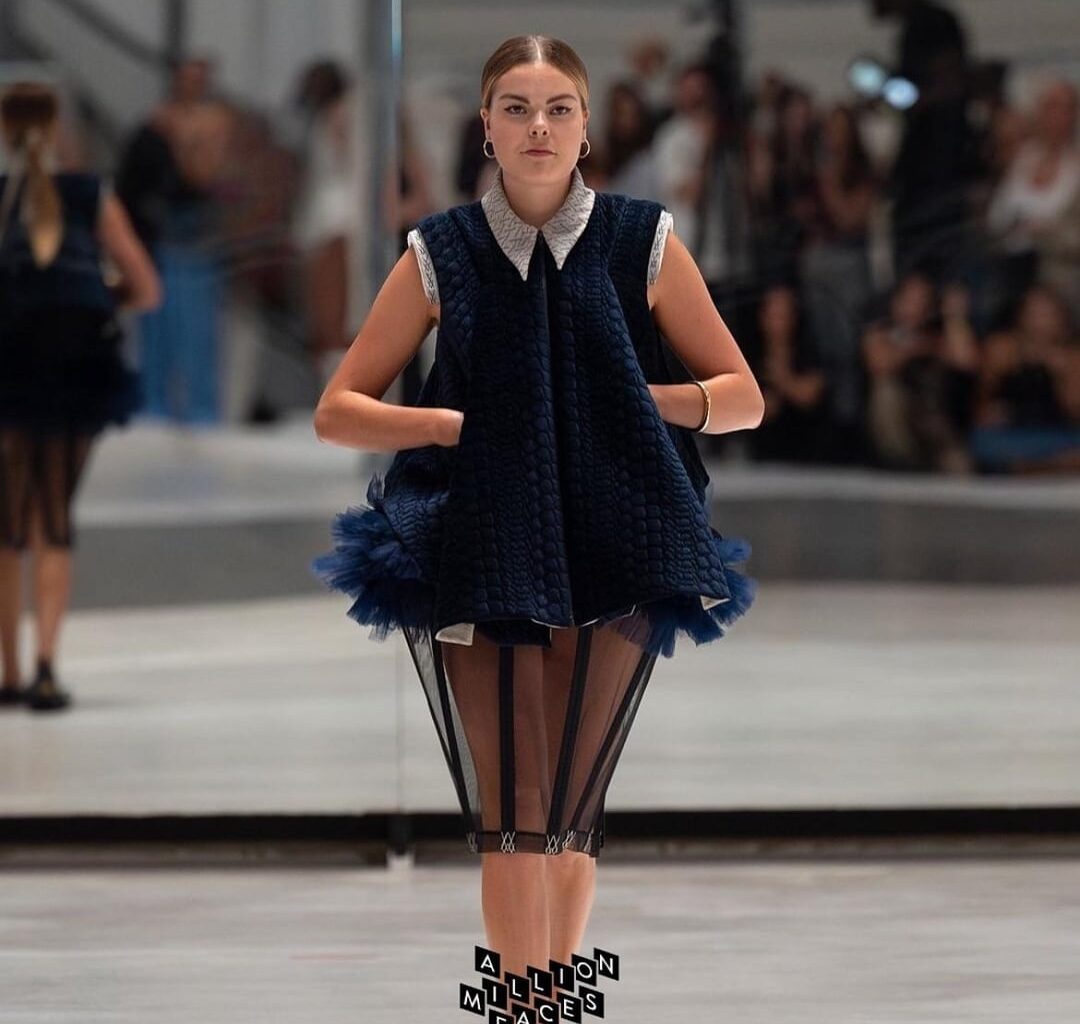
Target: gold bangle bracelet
(708, 407)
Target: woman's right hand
(448, 426)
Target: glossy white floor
(925, 942)
(828, 695)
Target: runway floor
(828, 695)
(879, 942)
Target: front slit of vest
(541, 248)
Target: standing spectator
(922, 369)
(1027, 415)
(626, 155)
(938, 161)
(471, 168)
(326, 216)
(681, 151)
(256, 191)
(62, 379)
(185, 144)
(412, 202)
(795, 427)
(1033, 212)
(836, 282)
(649, 60)
(931, 39)
(783, 184)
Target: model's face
(536, 123)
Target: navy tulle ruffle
(370, 564)
(665, 618)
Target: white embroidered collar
(518, 239)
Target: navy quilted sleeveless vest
(567, 499)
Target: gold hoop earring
(581, 156)
(485, 146)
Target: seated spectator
(922, 364)
(1027, 414)
(796, 422)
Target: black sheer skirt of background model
(63, 380)
(39, 476)
(532, 734)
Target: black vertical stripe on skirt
(532, 735)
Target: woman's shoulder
(640, 228)
(456, 214)
(450, 227)
(646, 218)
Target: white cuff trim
(427, 268)
(663, 226)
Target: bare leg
(14, 481)
(63, 461)
(515, 903)
(10, 608)
(513, 885)
(52, 588)
(571, 875)
(571, 883)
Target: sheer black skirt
(532, 734)
(39, 476)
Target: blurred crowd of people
(909, 304)
(912, 306)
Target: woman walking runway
(542, 535)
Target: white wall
(262, 45)
(122, 86)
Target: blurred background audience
(901, 260)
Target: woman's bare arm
(142, 286)
(351, 411)
(686, 315)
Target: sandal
(13, 694)
(44, 693)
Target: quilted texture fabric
(568, 499)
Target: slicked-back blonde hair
(534, 50)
